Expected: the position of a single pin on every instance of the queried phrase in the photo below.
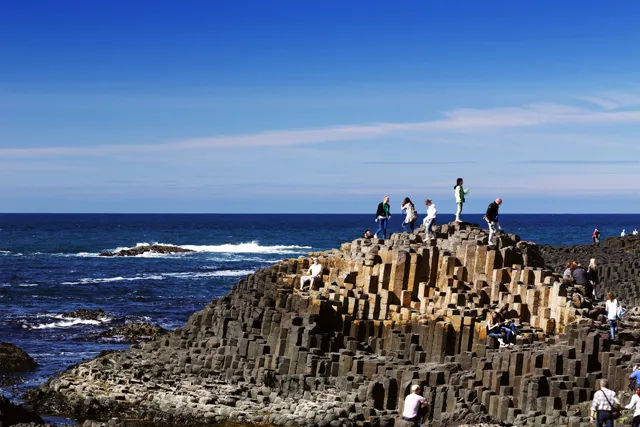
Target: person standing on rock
(459, 192)
(611, 306)
(491, 217)
(383, 215)
(592, 274)
(596, 236)
(430, 219)
(411, 215)
(415, 406)
(603, 404)
(635, 405)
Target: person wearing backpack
(605, 406)
(411, 214)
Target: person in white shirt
(624, 233)
(635, 232)
(411, 214)
(602, 405)
(314, 271)
(415, 406)
(635, 405)
(430, 219)
(459, 192)
(611, 306)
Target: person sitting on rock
(635, 232)
(367, 235)
(624, 233)
(415, 406)
(314, 272)
(496, 327)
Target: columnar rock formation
(386, 314)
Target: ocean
(49, 265)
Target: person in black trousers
(491, 217)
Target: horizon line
(300, 213)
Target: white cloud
(459, 121)
(613, 100)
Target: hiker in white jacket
(430, 219)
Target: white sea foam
(87, 254)
(60, 321)
(27, 285)
(68, 323)
(248, 248)
(221, 273)
(161, 276)
(92, 280)
(5, 252)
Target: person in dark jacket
(491, 216)
(580, 275)
(383, 215)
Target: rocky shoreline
(387, 314)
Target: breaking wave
(161, 276)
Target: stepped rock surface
(385, 315)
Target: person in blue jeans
(505, 333)
(383, 215)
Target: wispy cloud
(418, 163)
(459, 121)
(613, 100)
(579, 162)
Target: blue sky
(254, 106)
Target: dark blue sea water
(49, 266)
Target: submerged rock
(14, 359)
(86, 314)
(139, 250)
(134, 332)
(12, 414)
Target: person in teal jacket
(459, 192)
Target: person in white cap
(491, 217)
(414, 406)
(314, 271)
